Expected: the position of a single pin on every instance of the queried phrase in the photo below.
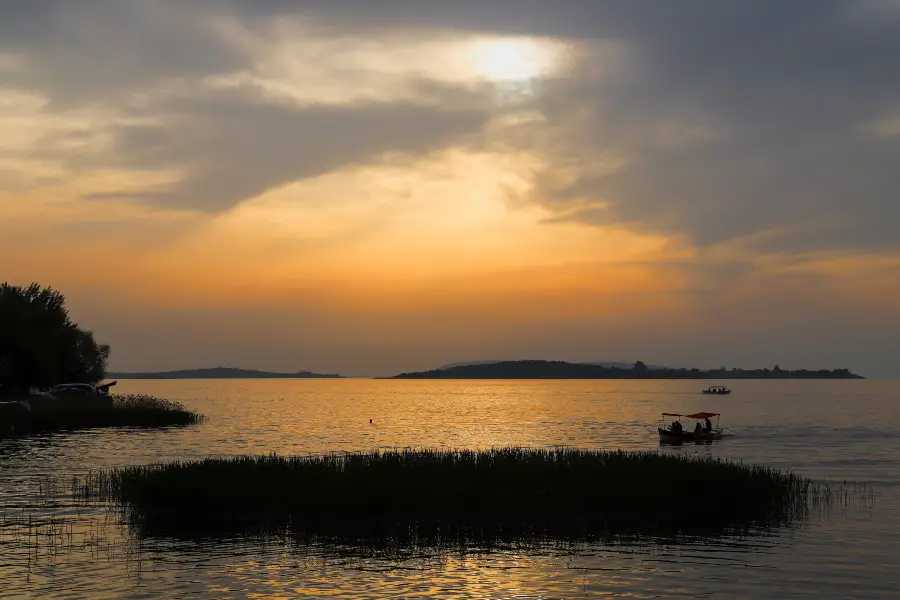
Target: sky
(369, 187)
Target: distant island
(555, 369)
(222, 373)
(607, 364)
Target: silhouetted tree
(39, 345)
(640, 366)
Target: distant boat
(717, 389)
(674, 433)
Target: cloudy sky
(372, 186)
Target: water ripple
(833, 431)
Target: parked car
(83, 388)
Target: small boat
(717, 389)
(675, 433)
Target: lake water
(832, 430)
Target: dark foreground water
(832, 430)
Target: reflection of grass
(132, 410)
(422, 495)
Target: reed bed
(150, 411)
(131, 410)
(424, 496)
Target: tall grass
(144, 410)
(419, 495)
(132, 410)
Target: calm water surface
(837, 430)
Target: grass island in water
(431, 496)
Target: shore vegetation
(45, 413)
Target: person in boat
(675, 427)
(708, 425)
(698, 429)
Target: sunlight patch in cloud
(310, 63)
(513, 59)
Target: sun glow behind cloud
(514, 59)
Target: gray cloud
(234, 146)
(96, 51)
(784, 92)
(845, 188)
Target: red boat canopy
(702, 415)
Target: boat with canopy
(676, 432)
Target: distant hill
(546, 369)
(221, 373)
(609, 365)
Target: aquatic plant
(428, 495)
(132, 410)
